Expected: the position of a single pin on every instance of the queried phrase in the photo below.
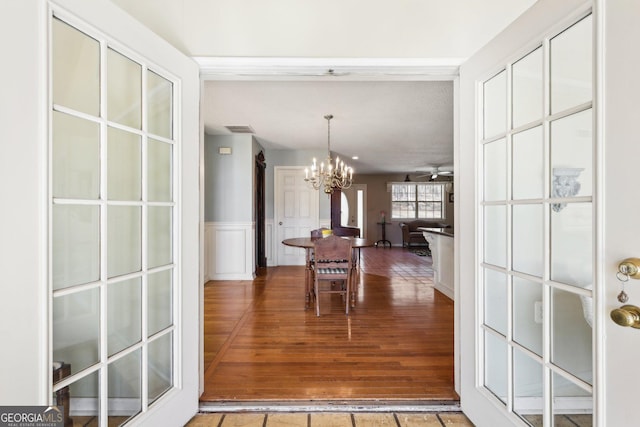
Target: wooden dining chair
(315, 234)
(332, 263)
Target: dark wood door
(260, 247)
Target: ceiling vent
(240, 129)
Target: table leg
(355, 277)
(384, 240)
(308, 277)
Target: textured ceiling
(395, 127)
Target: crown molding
(313, 69)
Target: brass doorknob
(630, 267)
(627, 315)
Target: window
(417, 200)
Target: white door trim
(352, 69)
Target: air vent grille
(240, 129)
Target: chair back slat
(333, 250)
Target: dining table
(307, 243)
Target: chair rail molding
(229, 250)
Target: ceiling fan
(436, 171)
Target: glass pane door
(113, 234)
(536, 228)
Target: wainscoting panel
(229, 251)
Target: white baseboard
(445, 290)
(561, 405)
(89, 407)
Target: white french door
(536, 231)
(123, 224)
(532, 328)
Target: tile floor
(338, 419)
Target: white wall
(229, 178)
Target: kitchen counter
(441, 245)
(442, 231)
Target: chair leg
(353, 287)
(347, 294)
(317, 292)
(307, 290)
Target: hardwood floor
(396, 345)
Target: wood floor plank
(397, 344)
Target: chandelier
(330, 175)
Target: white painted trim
(229, 251)
(89, 406)
(600, 310)
(202, 274)
(561, 405)
(45, 123)
(456, 240)
(269, 242)
(442, 254)
(444, 290)
(360, 69)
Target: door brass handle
(630, 267)
(627, 315)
